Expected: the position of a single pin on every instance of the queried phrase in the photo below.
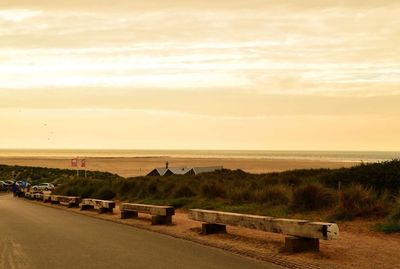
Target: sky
(185, 74)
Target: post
(298, 244)
(83, 165)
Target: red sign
(74, 162)
(83, 163)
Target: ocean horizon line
(323, 155)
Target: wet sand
(137, 166)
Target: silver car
(43, 187)
(4, 186)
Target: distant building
(158, 172)
(169, 171)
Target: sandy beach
(138, 166)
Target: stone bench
(38, 196)
(46, 198)
(54, 199)
(31, 195)
(303, 235)
(160, 214)
(69, 201)
(28, 195)
(101, 205)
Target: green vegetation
(38, 175)
(392, 222)
(367, 191)
(358, 201)
(313, 196)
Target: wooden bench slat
(148, 209)
(159, 214)
(299, 228)
(97, 203)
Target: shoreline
(352, 156)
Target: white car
(43, 187)
(4, 185)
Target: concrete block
(129, 214)
(84, 207)
(293, 227)
(159, 220)
(212, 228)
(298, 244)
(148, 209)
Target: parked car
(4, 186)
(43, 187)
(9, 182)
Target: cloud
(316, 49)
(18, 15)
(257, 73)
(199, 103)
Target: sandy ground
(357, 247)
(137, 166)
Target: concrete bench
(46, 198)
(38, 196)
(28, 195)
(54, 199)
(69, 201)
(101, 205)
(160, 214)
(303, 235)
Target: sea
(342, 156)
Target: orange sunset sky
(312, 75)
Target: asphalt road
(35, 236)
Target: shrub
(392, 222)
(72, 191)
(213, 190)
(240, 194)
(168, 188)
(291, 180)
(105, 193)
(152, 187)
(126, 187)
(273, 195)
(183, 191)
(313, 196)
(87, 192)
(379, 176)
(180, 202)
(358, 201)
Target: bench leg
(298, 244)
(73, 205)
(105, 210)
(129, 214)
(157, 220)
(84, 207)
(211, 228)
